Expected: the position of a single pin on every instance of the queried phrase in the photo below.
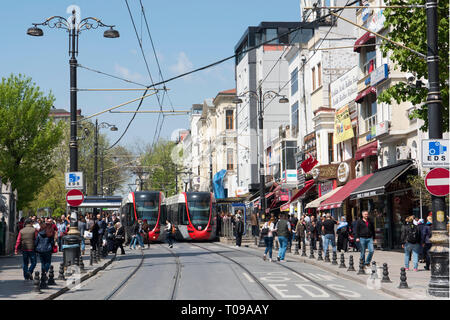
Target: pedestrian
(420, 225)
(254, 222)
(267, 231)
(364, 233)
(82, 229)
(101, 230)
(25, 241)
(320, 220)
(146, 230)
(328, 233)
(44, 245)
(300, 231)
(353, 235)
(410, 239)
(20, 224)
(110, 232)
(239, 226)
(139, 234)
(94, 230)
(283, 229)
(293, 222)
(36, 224)
(119, 237)
(426, 243)
(342, 233)
(169, 233)
(135, 231)
(313, 234)
(61, 232)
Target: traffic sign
(437, 182)
(74, 180)
(74, 197)
(435, 153)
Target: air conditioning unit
(403, 153)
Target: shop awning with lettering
(364, 93)
(377, 183)
(336, 200)
(367, 38)
(302, 191)
(316, 203)
(370, 149)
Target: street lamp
(261, 98)
(74, 29)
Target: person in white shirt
(267, 232)
(169, 233)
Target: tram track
(265, 289)
(292, 270)
(177, 274)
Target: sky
(186, 35)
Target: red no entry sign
(74, 198)
(437, 182)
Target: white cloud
(127, 74)
(183, 64)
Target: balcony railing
(367, 124)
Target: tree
(409, 26)
(27, 137)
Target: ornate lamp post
(261, 98)
(74, 29)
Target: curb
(83, 278)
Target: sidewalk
(417, 281)
(14, 287)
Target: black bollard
(95, 256)
(334, 258)
(51, 277)
(374, 274)
(99, 258)
(61, 271)
(319, 255)
(296, 249)
(36, 282)
(342, 265)
(43, 284)
(91, 260)
(327, 256)
(81, 264)
(361, 267)
(351, 267)
(304, 251)
(385, 274)
(403, 283)
(311, 254)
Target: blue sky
(186, 34)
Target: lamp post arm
(61, 23)
(91, 23)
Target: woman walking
(44, 245)
(342, 232)
(62, 230)
(169, 233)
(119, 237)
(146, 229)
(267, 231)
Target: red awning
(335, 201)
(269, 194)
(308, 185)
(368, 150)
(364, 93)
(367, 38)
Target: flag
(309, 163)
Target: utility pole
(438, 285)
(262, 182)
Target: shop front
(389, 199)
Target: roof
(225, 94)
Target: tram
(194, 215)
(147, 205)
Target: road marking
(281, 291)
(319, 292)
(248, 277)
(342, 291)
(301, 277)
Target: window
(330, 148)
(289, 148)
(294, 81)
(271, 34)
(294, 119)
(313, 71)
(319, 74)
(229, 120)
(369, 62)
(230, 159)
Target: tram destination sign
(435, 153)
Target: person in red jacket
(25, 240)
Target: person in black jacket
(44, 246)
(119, 237)
(364, 233)
(312, 233)
(239, 230)
(426, 243)
(410, 239)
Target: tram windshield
(147, 207)
(199, 208)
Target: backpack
(412, 233)
(173, 229)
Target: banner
(342, 125)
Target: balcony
(367, 124)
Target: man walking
(364, 233)
(239, 230)
(312, 233)
(26, 239)
(284, 230)
(255, 225)
(328, 233)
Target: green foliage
(27, 137)
(161, 168)
(409, 26)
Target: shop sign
(379, 74)
(376, 21)
(301, 180)
(344, 89)
(382, 128)
(435, 153)
(365, 14)
(342, 125)
(241, 191)
(326, 187)
(289, 175)
(343, 172)
(368, 194)
(327, 172)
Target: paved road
(212, 271)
